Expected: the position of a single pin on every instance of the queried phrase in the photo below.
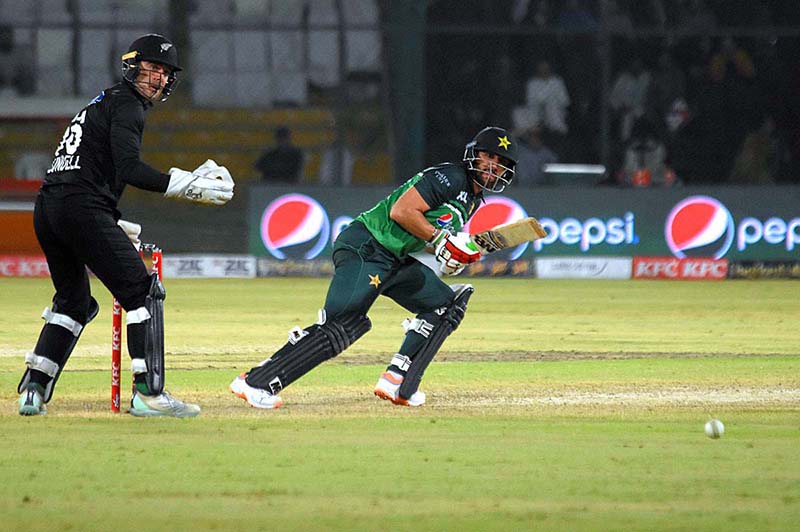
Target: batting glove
(454, 252)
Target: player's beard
(488, 176)
(149, 90)
(494, 177)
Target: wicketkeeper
(372, 256)
(76, 222)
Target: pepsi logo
(699, 226)
(295, 226)
(445, 220)
(495, 211)
(339, 225)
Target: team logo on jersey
(699, 226)
(294, 226)
(462, 196)
(374, 280)
(445, 220)
(495, 211)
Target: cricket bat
(509, 235)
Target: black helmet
(498, 141)
(157, 49)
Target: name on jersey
(64, 163)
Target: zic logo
(295, 225)
(189, 267)
(236, 266)
(699, 226)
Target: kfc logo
(672, 268)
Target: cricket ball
(714, 429)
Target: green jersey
(445, 188)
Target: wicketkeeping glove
(209, 183)
(454, 252)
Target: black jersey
(100, 149)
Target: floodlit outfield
(556, 406)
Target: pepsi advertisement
(735, 223)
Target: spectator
(756, 162)
(692, 149)
(694, 16)
(648, 13)
(666, 90)
(629, 96)
(336, 166)
(616, 19)
(519, 10)
(548, 99)
(546, 106)
(575, 16)
(645, 161)
(16, 72)
(677, 116)
(535, 12)
(283, 162)
(731, 60)
(732, 103)
(7, 58)
(533, 156)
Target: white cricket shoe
(31, 401)
(388, 387)
(160, 405)
(255, 397)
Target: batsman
(78, 225)
(372, 257)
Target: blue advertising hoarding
(737, 223)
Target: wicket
(116, 327)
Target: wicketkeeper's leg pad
(146, 336)
(306, 349)
(436, 335)
(57, 340)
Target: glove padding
(133, 231)
(454, 252)
(209, 183)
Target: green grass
(556, 406)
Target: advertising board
(736, 223)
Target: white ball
(715, 429)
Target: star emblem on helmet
(165, 46)
(374, 280)
(504, 142)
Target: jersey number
(73, 135)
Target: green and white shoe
(31, 402)
(161, 405)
